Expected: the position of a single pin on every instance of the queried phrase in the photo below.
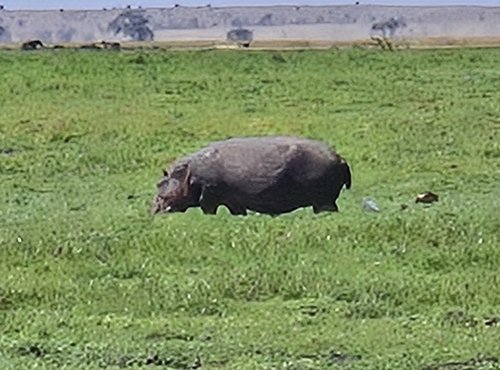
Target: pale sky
(98, 4)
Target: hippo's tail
(347, 174)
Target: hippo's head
(174, 191)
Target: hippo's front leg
(236, 209)
(209, 201)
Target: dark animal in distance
(103, 45)
(111, 45)
(32, 45)
(270, 175)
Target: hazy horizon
(99, 4)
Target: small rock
(197, 363)
(8, 151)
(370, 205)
(340, 358)
(427, 198)
(152, 360)
(492, 321)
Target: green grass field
(89, 279)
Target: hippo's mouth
(156, 209)
(167, 209)
(158, 206)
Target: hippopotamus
(269, 175)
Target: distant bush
(132, 24)
(4, 35)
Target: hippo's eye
(161, 183)
(171, 185)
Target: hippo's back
(253, 164)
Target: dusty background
(284, 23)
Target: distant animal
(114, 46)
(102, 45)
(32, 45)
(94, 46)
(111, 45)
(270, 175)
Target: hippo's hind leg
(318, 208)
(327, 202)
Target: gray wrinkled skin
(271, 175)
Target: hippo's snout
(157, 206)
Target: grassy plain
(88, 279)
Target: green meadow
(90, 280)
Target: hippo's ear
(180, 172)
(183, 175)
(186, 182)
(165, 173)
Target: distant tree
(132, 23)
(383, 32)
(241, 36)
